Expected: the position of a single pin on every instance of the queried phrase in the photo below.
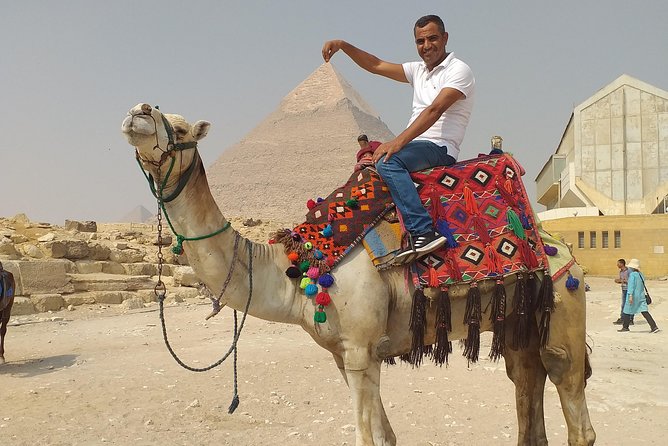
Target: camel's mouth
(137, 127)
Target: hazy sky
(70, 70)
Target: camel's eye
(181, 132)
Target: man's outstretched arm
(365, 60)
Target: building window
(618, 239)
(581, 240)
(604, 239)
(592, 239)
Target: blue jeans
(414, 156)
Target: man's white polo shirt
(450, 128)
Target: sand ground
(97, 375)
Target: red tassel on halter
(433, 278)
(435, 202)
(469, 200)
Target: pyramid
(304, 149)
(138, 215)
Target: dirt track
(96, 375)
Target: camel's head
(156, 135)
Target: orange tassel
(508, 184)
(469, 199)
(493, 261)
(433, 277)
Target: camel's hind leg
(565, 359)
(526, 371)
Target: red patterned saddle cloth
(480, 205)
(482, 208)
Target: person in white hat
(635, 298)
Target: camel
(6, 302)
(368, 319)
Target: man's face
(620, 265)
(430, 44)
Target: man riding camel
(443, 90)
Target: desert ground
(102, 375)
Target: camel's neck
(194, 213)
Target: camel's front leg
(372, 426)
(4, 320)
(526, 371)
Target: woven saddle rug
(338, 223)
(482, 208)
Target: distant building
(612, 162)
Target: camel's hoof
(2, 360)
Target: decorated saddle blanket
(481, 207)
(338, 223)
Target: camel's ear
(200, 129)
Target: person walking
(635, 298)
(623, 279)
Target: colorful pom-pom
(572, 283)
(296, 237)
(293, 272)
(313, 272)
(311, 289)
(326, 280)
(320, 317)
(304, 266)
(327, 232)
(323, 298)
(330, 261)
(352, 203)
(551, 250)
(293, 256)
(272, 241)
(308, 246)
(317, 254)
(304, 283)
(310, 204)
(320, 200)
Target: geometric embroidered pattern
(495, 185)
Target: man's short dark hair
(423, 21)
(363, 137)
(622, 261)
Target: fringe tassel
(472, 317)
(508, 185)
(469, 200)
(418, 324)
(515, 224)
(493, 261)
(452, 266)
(526, 224)
(532, 293)
(435, 201)
(546, 296)
(433, 278)
(507, 196)
(481, 230)
(529, 257)
(443, 229)
(498, 316)
(443, 346)
(390, 361)
(521, 333)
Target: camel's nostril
(146, 108)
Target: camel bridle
(160, 289)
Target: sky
(70, 71)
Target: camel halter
(160, 289)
